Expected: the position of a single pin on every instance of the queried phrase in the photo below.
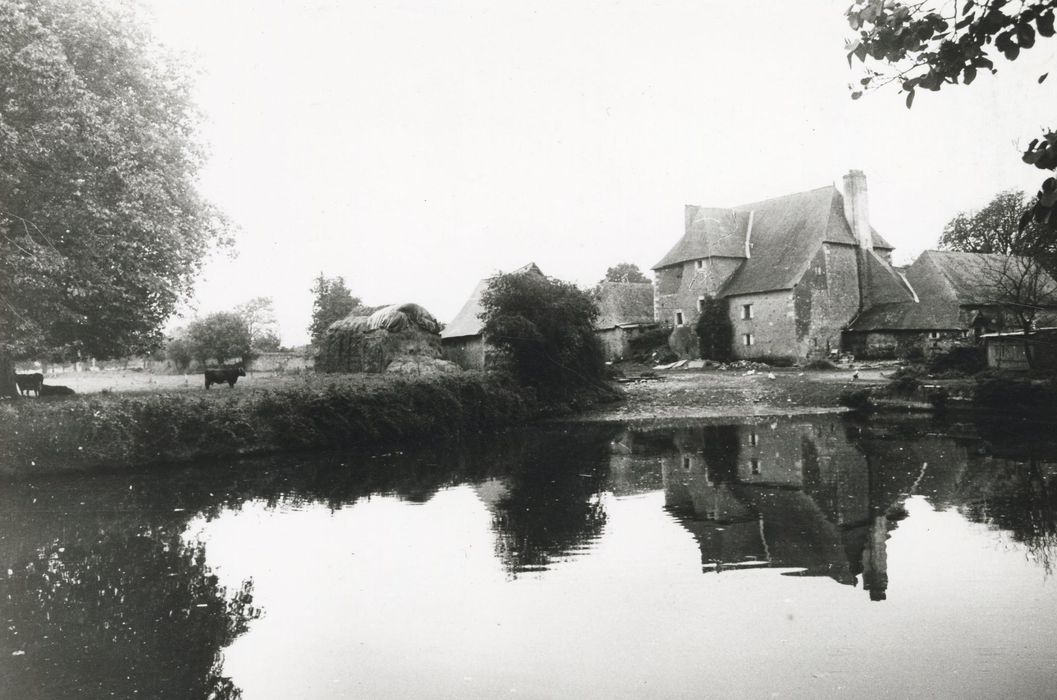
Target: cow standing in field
(225, 374)
(29, 382)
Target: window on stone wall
(934, 335)
(678, 318)
(746, 311)
(754, 465)
(754, 438)
(686, 463)
(700, 304)
(700, 264)
(748, 339)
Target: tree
(715, 333)
(624, 272)
(545, 328)
(928, 45)
(178, 350)
(266, 340)
(1018, 285)
(102, 229)
(219, 336)
(259, 315)
(996, 229)
(332, 302)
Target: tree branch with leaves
(927, 45)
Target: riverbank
(694, 394)
(120, 431)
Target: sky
(415, 147)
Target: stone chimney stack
(857, 208)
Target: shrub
(1000, 392)
(137, 430)
(820, 364)
(855, 399)
(938, 397)
(966, 359)
(544, 328)
(714, 331)
(649, 341)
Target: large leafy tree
(259, 315)
(625, 272)
(219, 336)
(102, 229)
(332, 301)
(545, 328)
(927, 45)
(996, 229)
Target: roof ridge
(785, 196)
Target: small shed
(371, 343)
(463, 338)
(625, 310)
(1009, 350)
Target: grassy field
(125, 381)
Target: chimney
(857, 208)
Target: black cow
(29, 382)
(56, 390)
(225, 374)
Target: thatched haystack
(371, 343)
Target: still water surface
(789, 557)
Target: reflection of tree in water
(1017, 497)
(550, 502)
(107, 612)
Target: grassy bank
(121, 431)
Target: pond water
(778, 557)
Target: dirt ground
(733, 393)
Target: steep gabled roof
(468, 321)
(972, 276)
(886, 286)
(709, 232)
(943, 282)
(782, 234)
(624, 303)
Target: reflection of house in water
(787, 494)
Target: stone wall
(826, 300)
(679, 287)
(772, 325)
(468, 352)
(887, 345)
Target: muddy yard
(677, 394)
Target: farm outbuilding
(463, 338)
(1008, 350)
(625, 310)
(372, 343)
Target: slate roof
(468, 322)
(944, 282)
(786, 233)
(622, 303)
(783, 235)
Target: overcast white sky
(416, 147)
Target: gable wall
(680, 286)
(772, 325)
(826, 300)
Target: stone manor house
(806, 275)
